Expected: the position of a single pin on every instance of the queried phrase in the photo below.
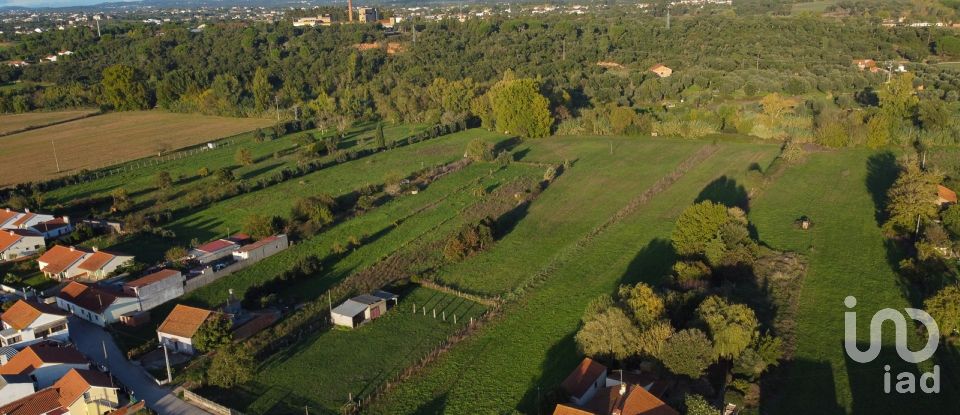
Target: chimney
(350, 10)
(72, 249)
(66, 219)
(95, 249)
(27, 210)
(623, 388)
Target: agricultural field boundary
(661, 185)
(51, 124)
(541, 276)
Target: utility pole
(96, 18)
(563, 49)
(166, 356)
(55, 158)
(276, 105)
(668, 17)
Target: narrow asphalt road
(90, 339)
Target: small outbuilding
(363, 308)
(945, 196)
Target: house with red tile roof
(78, 392)
(45, 402)
(101, 264)
(18, 243)
(177, 330)
(59, 262)
(87, 392)
(54, 228)
(156, 288)
(45, 362)
(13, 387)
(609, 396)
(27, 322)
(945, 196)
(585, 380)
(63, 263)
(214, 250)
(96, 305)
(12, 219)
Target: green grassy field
(848, 256)
(140, 183)
(815, 7)
(595, 189)
(228, 216)
(508, 364)
(431, 213)
(342, 362)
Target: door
(374, 312)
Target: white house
(11, 219)
(362, 308)
(584, 382)
(95, 305)
(13, 387)
(157, 288)
(45, 363)
(54, 228)
(61, 263)
(29, 322)
(262, 248)
(177, 330)
(16, 243)
(213, 251)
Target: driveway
(90, 339)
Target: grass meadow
(848, 254)
(511, 364)
(323, 370)
(431, 214)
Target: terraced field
(512, 363)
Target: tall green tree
(518, 108)
(262, 90)
(898, 99)
(123, 89)
(911, 197)
(213, 333)
(608, 332)
(731, 326)
(687, 353)
(944, 307)
(232, 365)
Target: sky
(51, 3)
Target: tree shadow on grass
(881, 173)
(727, 192)
(867, 386)
(649, 265)
(817, 377)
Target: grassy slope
(596, 187)
(94, 142)
(848, 256)
(141, 182)
(438, 204)
(501, 368)
(229, 215)
(341, 362)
